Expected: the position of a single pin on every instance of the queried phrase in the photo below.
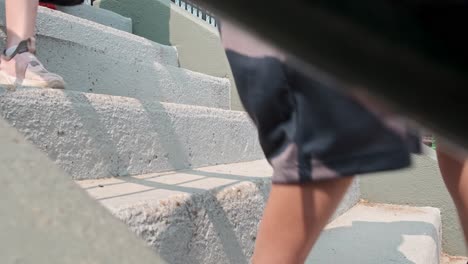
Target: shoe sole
(12, 83)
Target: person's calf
(454, 170)
(294, 218)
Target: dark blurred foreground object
(63, 2)
(413, 53)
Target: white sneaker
(24, 69)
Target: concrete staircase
(205, 215)
(96, 136)
(158, 146)
(94, 58)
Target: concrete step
(383, 234)
(99, 73)
(59, 31)
(446, 259)
(95, 136)
(99, 15)
(99, 59)
(207, 215)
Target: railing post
(197, 11)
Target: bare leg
(455, 173)
(20, 19)
(293, 219)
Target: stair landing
(384, 234)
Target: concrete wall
(47, 219)
(421, 185)
(197, 42)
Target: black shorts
(309, 131)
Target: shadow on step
(214, 224)
(402, 242)
(156, 186)
(97, 129)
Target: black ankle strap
(22, 47)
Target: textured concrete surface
(106, 65)
(93, 135)
(99, 73)
(198, 43)
(421, 185)
(47, 219)
(454, 260)
(98, 15)
(206, 215)
(71, 31)
(384, 234)
(107, 75)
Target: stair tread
(128, 191)
(64, 27)
(97, 136)
(454, 260)
(96, 58)
(205, 208)
(379, 233)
